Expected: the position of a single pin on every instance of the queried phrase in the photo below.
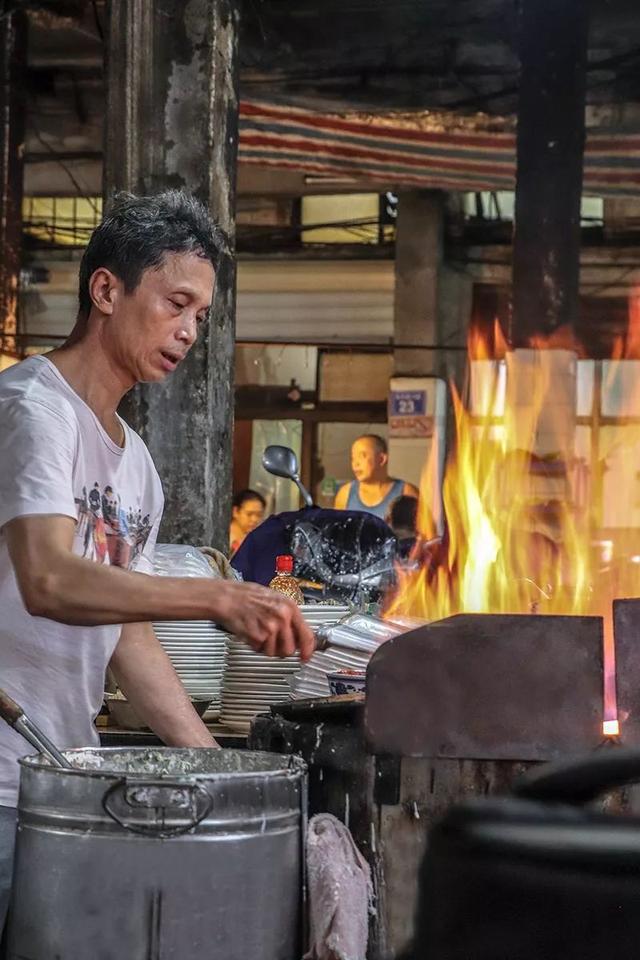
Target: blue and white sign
(408, 403)
(408, 414)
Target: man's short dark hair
(380, 442)
(136, 233)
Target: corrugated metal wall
(311, 301)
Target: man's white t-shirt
(56, 458)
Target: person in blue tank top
(373, 490)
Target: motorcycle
(339, 555)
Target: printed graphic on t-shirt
(108, 532)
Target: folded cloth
(340, 892)
(219, 563)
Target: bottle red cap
(284, 563)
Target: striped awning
(405, 154)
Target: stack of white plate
(252, 681)
(197, 650)
(352, 644)
(311, 680)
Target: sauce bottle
(284, 581)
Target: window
(61, 221)
(345, 218)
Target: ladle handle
(9, 709)
(14, 715)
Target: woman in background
(247, 512)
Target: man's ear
(384, 459)
(103, 290)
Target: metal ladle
(14, 715)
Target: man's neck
(375, 484)
(90, 373)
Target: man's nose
(188, 330)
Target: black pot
(538, 875)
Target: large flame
(518, 532)
(513, 541)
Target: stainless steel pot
(159, 854)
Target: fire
(518, 534)
(508, 513)
(479, 346)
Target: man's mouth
(170, 359)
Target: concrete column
(172, 121)
(551, 109)
(432, 305)
(13, 59)
(418, 260)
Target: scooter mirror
(280, 461)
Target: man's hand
(266, 620)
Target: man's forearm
(85, 593)
(57, 584)
(146, 676)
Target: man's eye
(174, 303)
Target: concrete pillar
(432, 308)
(13, 59)
(418, 259)
(550, 146)
(172, 121)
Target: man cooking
(373, 490)
(81, 502)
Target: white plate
(191, 638)
(244, 715)
(212, 661)
(196, 658)
(251, 706)
(250, 693)
(235, 714)
(199, 671)
(202, 681)
(262, 661)
(176, 641)
(188, 625)
(204, 684)
(198, 676)
(199, 668)
(250, 678)
(255, 676)
(195, 651)
(200, 657)
(192, 646)
(266, 663)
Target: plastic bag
(179, 560)
(351, 553)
